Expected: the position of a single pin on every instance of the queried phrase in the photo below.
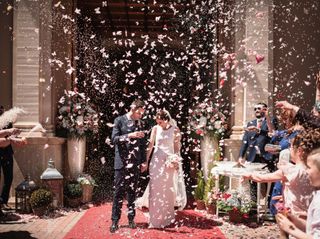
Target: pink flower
(221, 82)
(226, 196)
(259, 58)
(199, 132)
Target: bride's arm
(177, 141)
(152, 139)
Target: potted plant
(73, 194)
(87, 183)
(78, 119)
(209, 195)
(199, 191)
(40, 201)
(236, 204)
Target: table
(227, 168)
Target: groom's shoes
(114, 227)
(132, 225)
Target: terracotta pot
(87, 191)
(201, 205)
(39, 211)
(235, 216)
(211, 209)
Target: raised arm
(270, 124)
(4, 142)
(265, 178)
(9, 132)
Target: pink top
(313, 219)
(298, 191)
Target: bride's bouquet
(173, 161)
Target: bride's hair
(163, 115)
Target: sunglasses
(257, 108)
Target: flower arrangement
(172, 161)
(235, 201)
(86, 179)
(73, 190)
(206, 119)
(76, 115)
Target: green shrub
(199, 190)
(41, 198)
(73, 190)
(208, 190)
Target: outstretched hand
(136, 135)
(18, 141)
(284, 223)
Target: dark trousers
(6, 164)
(125, 182)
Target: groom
(130, 152)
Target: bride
(166, 188)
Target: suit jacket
(127, 151)
(253, 142)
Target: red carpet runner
(95, 223)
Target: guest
(254, 140)
(293, 224)
(282, 138)
(297, 192)
(6, 160)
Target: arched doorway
(167, 69)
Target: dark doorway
(135, 50)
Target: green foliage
(235, 201)
(208, 190)
(41, 198)
(73, 190)
(199, 190)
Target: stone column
(252, 81)
(38, 83)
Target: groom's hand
(136, 135)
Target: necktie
(259, 122)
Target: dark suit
(129, 154)
(252, 147)
(253, 142)
(6, 163)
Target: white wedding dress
(166, 188)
